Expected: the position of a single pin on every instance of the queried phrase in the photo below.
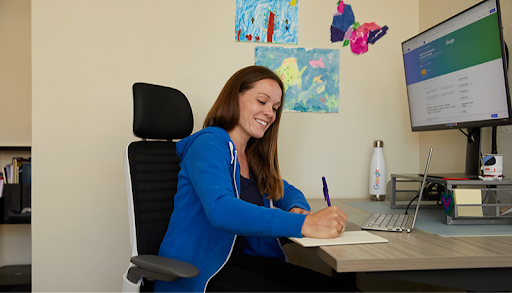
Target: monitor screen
(456, 72)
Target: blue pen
(326, 192)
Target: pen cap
(378, 144)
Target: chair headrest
(160, 112)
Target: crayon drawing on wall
(310, 77)
(267, 21)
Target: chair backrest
(151, 166)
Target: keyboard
(387, 221)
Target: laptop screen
(422, 186)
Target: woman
(232, 205)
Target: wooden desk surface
(418, 250)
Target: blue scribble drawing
(267, 21)
(310, 77)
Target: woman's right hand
(326, 223)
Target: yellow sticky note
(468, 196)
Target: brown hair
(261, 153)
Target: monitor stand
(460, 176)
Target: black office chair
(151, 168)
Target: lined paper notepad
(348, 237)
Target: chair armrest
(155, 267)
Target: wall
(15, 112)
(452, 143)
(15, 74)
(87, 54)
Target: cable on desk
(410, 203)
(431, 191)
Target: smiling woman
(233, 113)
(259, 105)
(231, 192)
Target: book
(1, 185)
(26, 175)
(8, 174)
(17, 165)
(348, 237)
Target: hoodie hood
(183, 145)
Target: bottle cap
(378, 144)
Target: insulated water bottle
(378, 173)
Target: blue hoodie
(208, 212)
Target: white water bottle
(378, 173)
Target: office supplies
(468, 197)
(395, 222)
(491, 199)
(326, 192)
(349, 237)
(506, 210)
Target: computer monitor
(456, 76)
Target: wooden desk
(470, 263)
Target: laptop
(396, 222)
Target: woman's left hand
(300, 211)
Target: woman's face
(258, 108)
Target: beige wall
(15, 74)
(87, 54)
(15, 112)
(452, 143)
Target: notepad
(348, 237)
(468, 196)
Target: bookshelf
(6, 155)
(15, 148)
